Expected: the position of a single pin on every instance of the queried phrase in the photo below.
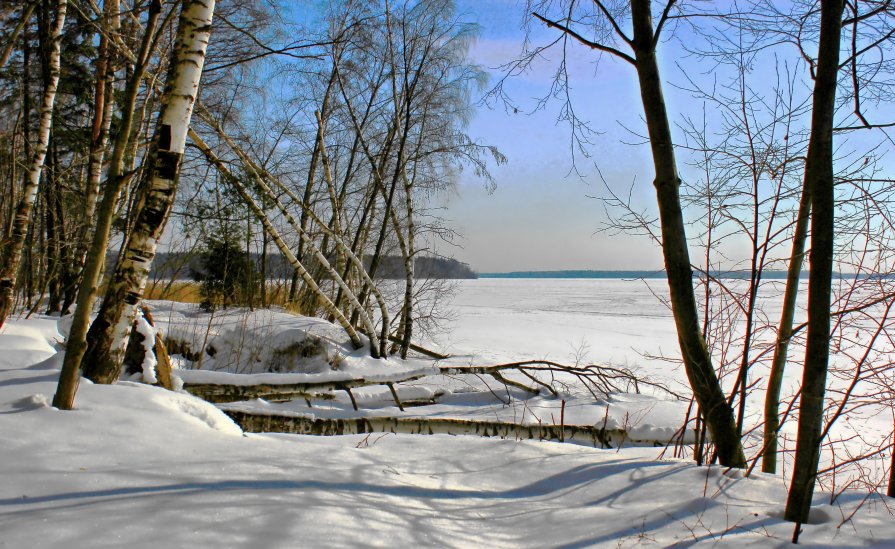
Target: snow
(138, 466)
(149, 361)
(624, 323)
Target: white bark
(111, 329)
(275, 235)
(26, 204)
(409, 263)
(595, 435)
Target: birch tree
(13, 254)
(76, 343)
(108, 333)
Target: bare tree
(605, 23)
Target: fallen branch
(516, 384)
(597, 379)
(419, 349)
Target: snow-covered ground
(137, 466)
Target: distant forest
(183, 266)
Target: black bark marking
(153, 218)
(164, 138)
(167, 163)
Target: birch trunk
(409, 275)
(335, 204)
(109, 332)
(76, 343)
(13, 256)
(406, 328)
(367, 216)
(345, 254)
(306, 294)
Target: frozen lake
(610, 321)
(625, 323)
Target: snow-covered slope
(135, 466)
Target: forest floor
(138, 466)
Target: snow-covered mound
(136, 466)
(248, 347)
(252, 341)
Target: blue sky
(540, 216)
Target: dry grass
(189, 291)
(181, 291)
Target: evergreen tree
(227, 273)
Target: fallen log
(601, 379)
(308, 425)
(220, 394)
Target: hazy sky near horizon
(542, 214)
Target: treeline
(185, 266)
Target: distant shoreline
(584, 274)
(575, 274)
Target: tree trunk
(263, 269)
(306, 295)
(52, 211)
(23, 212)
(409, 275)
(406, 328)
(108, 334)
(11, 40)
(76, 344)
(697, 361)
(819, 182)
(784, 334)
(891, 489)
(103, 105)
